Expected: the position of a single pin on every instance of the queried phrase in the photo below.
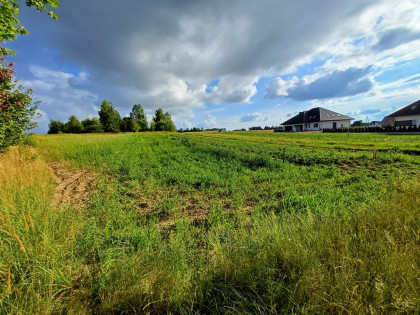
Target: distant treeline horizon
(110, 121)
(198, 129)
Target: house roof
(388, 120)
(412, 109)
(316, 114)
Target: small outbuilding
(317, 119)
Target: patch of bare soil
(355, 165)
(192, 206)
(73, 186)
(195, 214)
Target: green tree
(169, 124)
(17, 108)
(133, 126)
(73, 125)
(163, 121)
(138, 117)
(92, 125)
(10, 25)
(129, 124)
(124, 124)
(109, 117)
(55, 127)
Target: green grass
(218, 223)
(380, 141)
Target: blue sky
(228, 64)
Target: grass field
(244, 222)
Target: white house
(375, 124)
(317, 119)
(405, 117)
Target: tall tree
(158, 120)
(169, 124)
(137, 114)
(163, 121)
(124, 124)
(133, 126)
(109, 117)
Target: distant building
(387, 121)
(358, 123)
(375, 124)
(317, 119)
(405, 117)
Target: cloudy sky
(232, 64)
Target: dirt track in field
(73, 186)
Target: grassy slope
(296, 236)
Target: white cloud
(278, 87)
(210, 121)
(234, 89)
(257, 117)
(60, 98)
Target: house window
(315, 125)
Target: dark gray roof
(412, 109)
(388, 120)
(316, 114)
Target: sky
(226, 64)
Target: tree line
(110, 121)
(266, 128)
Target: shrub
(16, 107)
(55, 127)
(73, 125)
(92, 125)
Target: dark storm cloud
(395, 37)
(336, 84)
(146, 47)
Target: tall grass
(36, 239)
(295, 264)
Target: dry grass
(21, 167)
(33, 235)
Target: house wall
(311, 126)
(329, 124)
(411, 117)
(305, 127)
(321, 125)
